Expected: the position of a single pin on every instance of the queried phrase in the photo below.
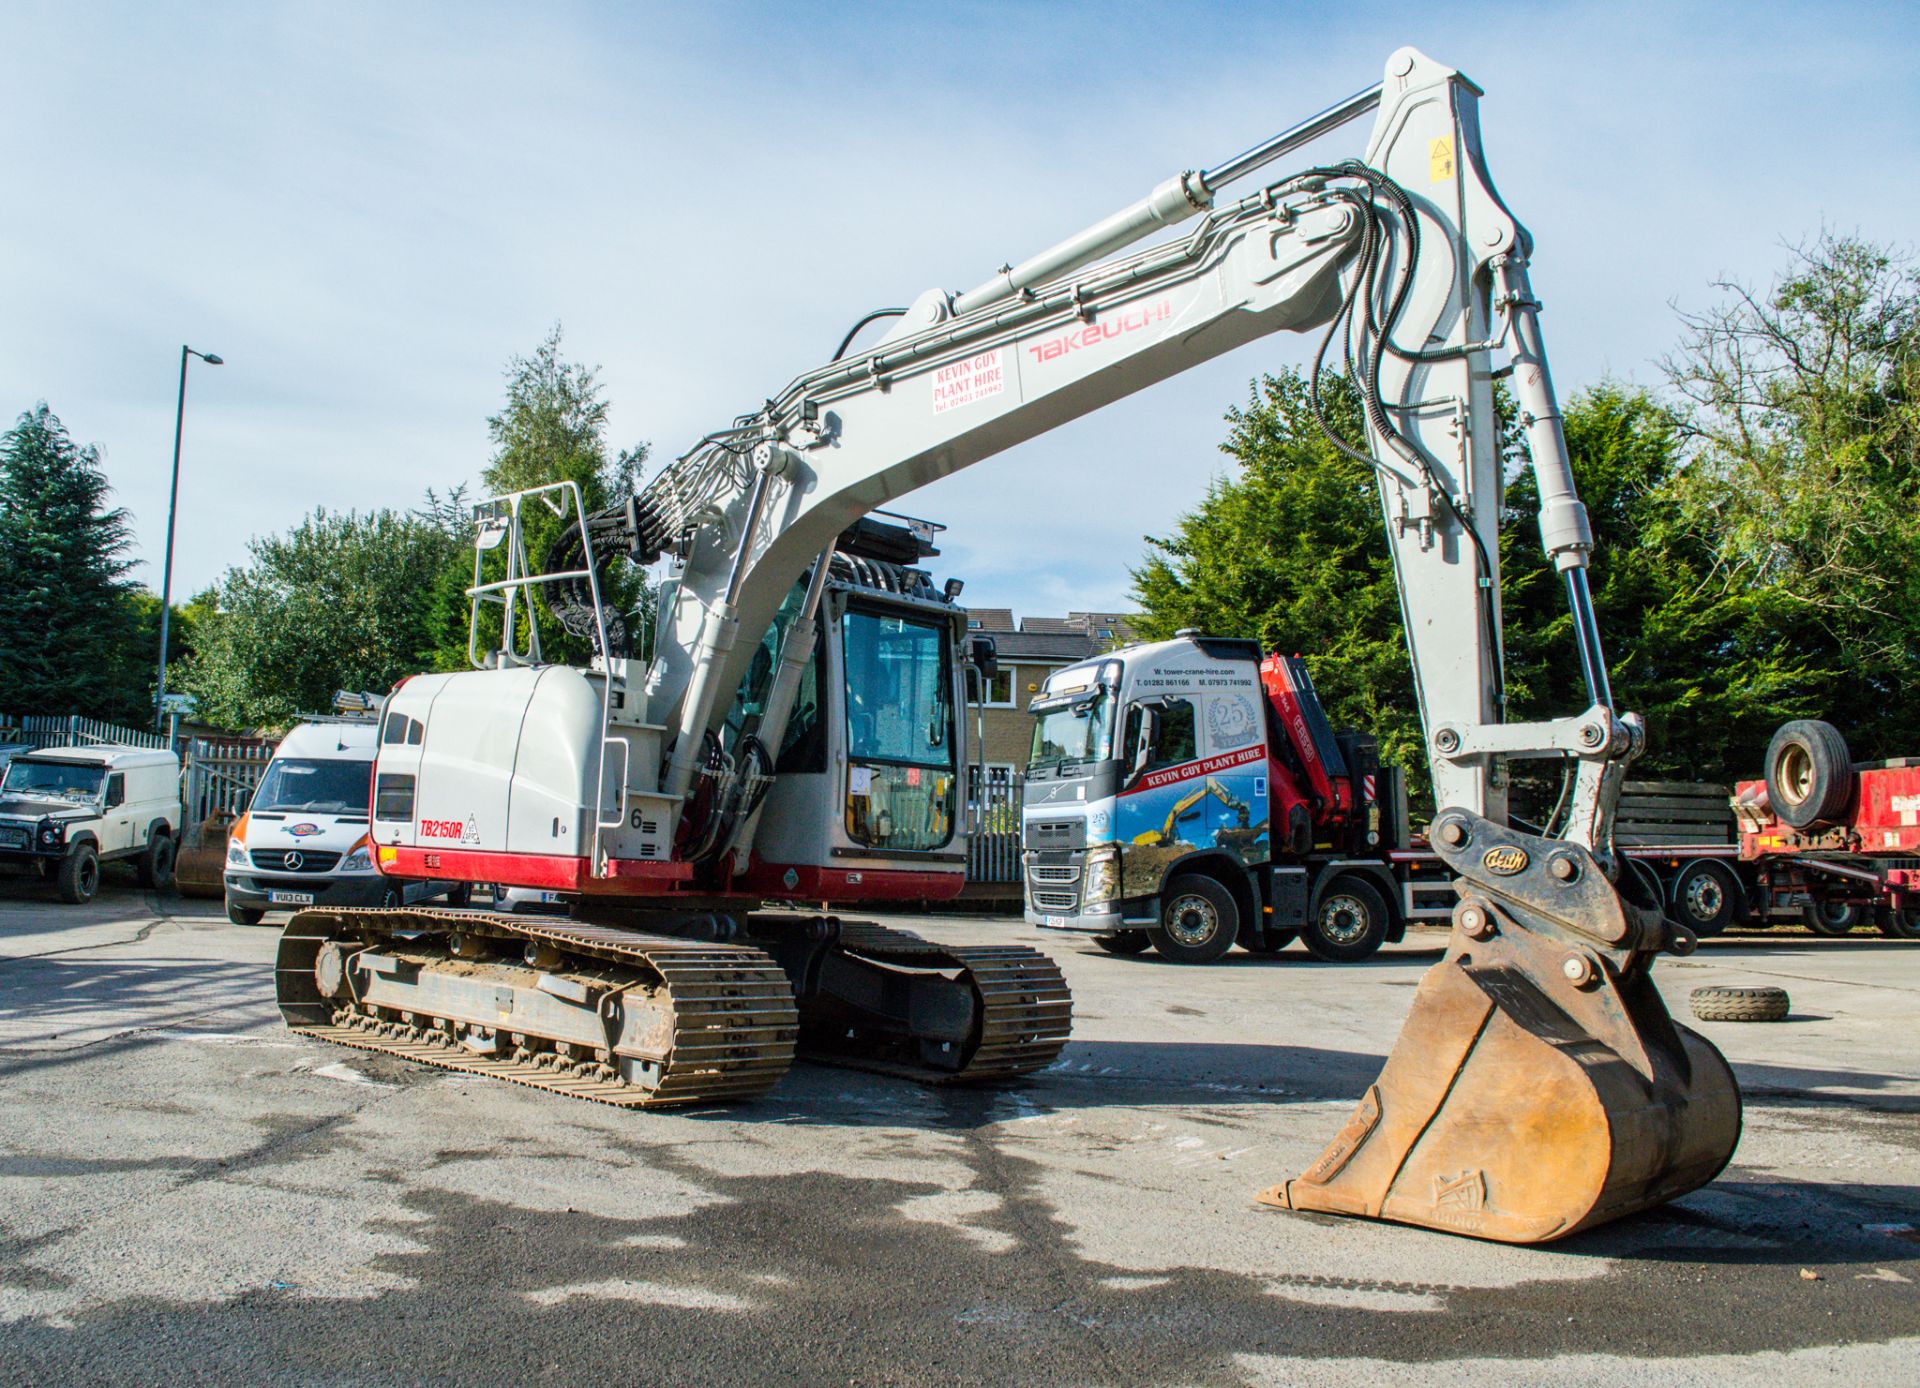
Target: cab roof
(104, 754)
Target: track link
(1025, 1008)
(731, 1010)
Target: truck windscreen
(296, 786)
(1080, 731)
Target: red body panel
(1884, 817)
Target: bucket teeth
(1525, 1098)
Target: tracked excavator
(790, 748)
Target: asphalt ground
(188, 1193)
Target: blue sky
(368, 209)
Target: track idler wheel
(1539, 1085)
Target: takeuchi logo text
(1105, 327)
(442, 829)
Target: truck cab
(1190, 795)
(66, 810)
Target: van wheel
(1706, 897)
(1198, 921)
(79, 876)
(1809, 776)
(156, 864)
(1124, 942)
(244, 915)
(1350, 922)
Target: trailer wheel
(1706, 897)
(1830, 918)
(1198, 921)
(1124, 942)
(1900, 924)
(1350, 922)
(1809, 774)
(1739, 1004)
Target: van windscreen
(297, 786)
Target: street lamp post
(173, 498)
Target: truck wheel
(1901, 924)
(1124, 942)
(79, 875)
(1350, 922)
(1809, 775)
(244, 915)
(156, 864)
(1739, 1004)
(1198, 921)
(1273, 939)
(1706, 897)
(1830, 918)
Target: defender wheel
(244, 915)
(1198, 921)
(1706, 898)
(79, 875)
(156, 864)
(1350, 922)
(1124, 942)
(1739, 1004)
(1809, 775)
(1831, 918)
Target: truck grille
(275, 859)
(1056, 901)
(12, 836)
(1056, 876)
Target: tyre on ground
(1349, 923)
(1124, 942)
(1198, 920)
(1900, 923)
(1739, 1004)
(156, 864)
(1706, 897)
(1825, 916)
(79, 875)
(1809, 774)
(244, 915)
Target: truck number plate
(290, 898)
(13, 838)
(1057, 921)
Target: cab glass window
(116, 790)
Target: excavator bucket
(1539, 1085)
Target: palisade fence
(993, 829)
(216, 773)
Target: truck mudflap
(1539, 1085)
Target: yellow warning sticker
(1440, 159)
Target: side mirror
(1144, 741)
(983, 655)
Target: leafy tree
(552, 428)
(1802, 421)
(340, 602)
(69, 628)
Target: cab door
(116, 819)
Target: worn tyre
(1809, 774)
(1831, 918)
(1903, 924)
(244, 915)
(1349, 922)
(1739, 1004)
(1124, 942)
(1706, 897)
(1198, 921)
(78, 877)
(156, 864)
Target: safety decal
(1440, 159)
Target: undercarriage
(643, 1018)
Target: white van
(303, 840)
(66, 810)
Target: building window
(999, 691)
(973, 624)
